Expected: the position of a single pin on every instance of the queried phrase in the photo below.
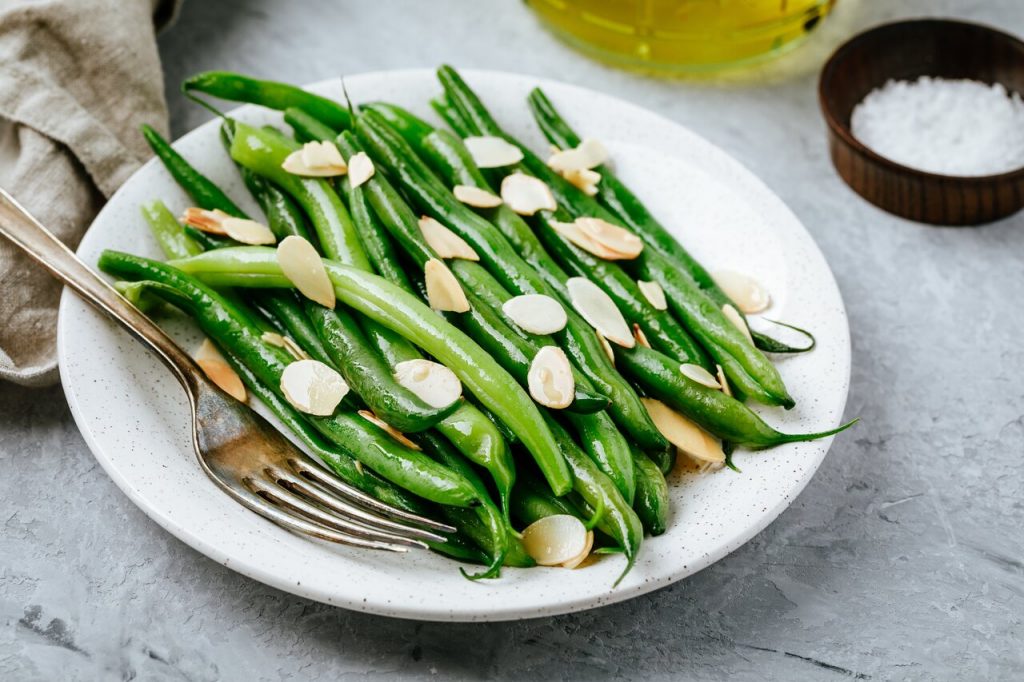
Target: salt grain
(951, 127)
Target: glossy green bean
(307, 128)
(403, 313)
(652, 502)
(271, 94)
(168, 231)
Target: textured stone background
(903, 558)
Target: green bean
(271, 94)
(578, 339)
(230, 329)
(403, 313)
(532, 503)
(715, 411)
(618, 199)
(698, 313)
(618, 520)
(651, 503)
(487, 511)
(199, 188)
(306, 127)
(168, 231)
(468, 522)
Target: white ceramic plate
(134, 419)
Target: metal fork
(239, 450)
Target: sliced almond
(585, 180)
(476, 197)
(723, 381)
(493, 152)
(316, 160)
(608, 350)
(554, 540)
(698, 374)
(389, 429)
(217, 370)
(640, 337)
(579, 558)
(321, 154)
(737, 320)
(612, 237)
(444, 293)
(313, 387)
(247, 231)
(536, 313)
(746, 292)
(598, 309)
(550, 378)
(526, 195)
(683, 433)
(577, 236)
(432, 382)
(295, 349)
(444, 242)
(588, 154)
(654, 294)
(302, 265)
(272, 339)
(360, 169)
(211, 222)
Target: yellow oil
(682, 35)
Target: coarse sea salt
(950, 127)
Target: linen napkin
(77, 79)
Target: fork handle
(41, 245)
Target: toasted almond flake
(432, 382)
(699, 375)
(550, 378)
(493, 152)
(579, 558)
(585, 180)
(588, 154)
(313, 387)
(217, 370)
(654, 294)
(444, 242)
(723, 381)
(444, 293)
(302, 265)
(248, 231)
(683, 433)
(389, 429)
(206, 221)
(640, 337)
(598, 309)
(536, 313)
(608, 350)
(746, 292)
(315, 160)
(554, 540)
(321, 154)
(526, 194)
(476, 197)
(611, 237)
(360, 169)
(737, 320)
(273, 339)
(577, 236)
(295, 349)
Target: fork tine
(336, 504)
(308, 468)
(297, 524)
(285, 498)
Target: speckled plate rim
(418, 590)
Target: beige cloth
(77, 79)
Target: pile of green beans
(494, 461)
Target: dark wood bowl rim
(844, 132)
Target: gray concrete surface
(903, 559)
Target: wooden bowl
(905, 51)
